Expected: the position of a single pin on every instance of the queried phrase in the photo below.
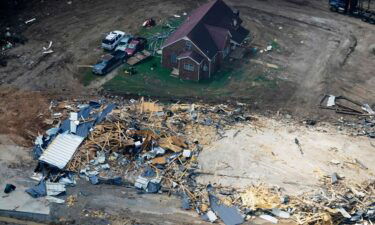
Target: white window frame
(174, 58)
(189, 67)
(188, 45)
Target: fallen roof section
(61, 150)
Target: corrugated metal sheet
(61, 150)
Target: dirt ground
(318, 51)
(265, 152)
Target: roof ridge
(213, 2)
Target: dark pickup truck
(109, 62)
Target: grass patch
(162, 28)
(159, 82)
(87, 76)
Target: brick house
(197, 48)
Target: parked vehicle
(137, 44)
(109, 62)
(112, 39)
(364, 9)
(123, 44)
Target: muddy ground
(319, 52)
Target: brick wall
(176, 48)
(189, 75)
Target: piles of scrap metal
(344, 105)
(57, 147)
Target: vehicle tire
(333, 9)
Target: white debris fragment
(368, 109)
(344, 213)
(211, 216)
(37, 176)
(334, 161)
(177, 16)
(186, 153)
(54, 188)
(269, 218)
(280, 213)
(55, 200)
(331, 101)
(30, 20)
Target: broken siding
(61, 150)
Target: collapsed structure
(154, 148)
(196, 50)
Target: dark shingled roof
(193, 55)
(207, 27)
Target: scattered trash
(9, 188)
(211, 216)
(71, 200)
(48, 50)
(296, 141)
(280, 213)
(344, 105)
(149, 23)
(334, 178)
(269, 218)
(54, 188)
(30, 20)
(229, 215)
(38, 190)
(148, 142)
(55, 200)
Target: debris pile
(344, 105)
(154, 148)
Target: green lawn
(86, 76)
(235, 79)
(159, 82)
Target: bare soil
(266, 152)
(317, 51)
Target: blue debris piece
(94, 104)
(229, 215)
(53, 131)
(84, 113)
(153, 187)
(65, 126)
(104, 113)
(185, 201)
(83, 129)
(149, 172)
(38, 190)
(37, 151)
(94, 179)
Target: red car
(135, 45)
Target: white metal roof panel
(61, 150)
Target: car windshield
(108, 42)
(122, 43)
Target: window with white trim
(188, 45)
(173, 58)
(188, 67)
(205, 67)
